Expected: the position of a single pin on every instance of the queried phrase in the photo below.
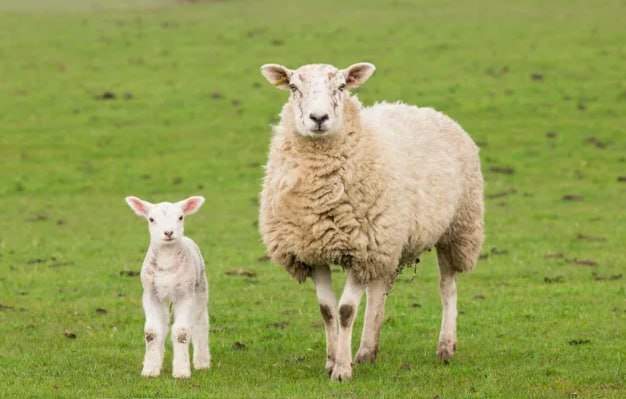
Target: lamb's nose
(319, 119)
(169, 234)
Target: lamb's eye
(180, 217)
(343, 86)
(151, 220)
(293, 87)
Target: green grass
(197, 122)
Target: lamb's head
(166, 220)
(318, 93)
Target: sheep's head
(318, 93)
(166, 219)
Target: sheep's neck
(167, 257)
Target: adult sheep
(368, 189)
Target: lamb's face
(166, 219)
(318, 93)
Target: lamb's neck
(168, 257)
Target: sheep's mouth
(169, 239)
(319, 130)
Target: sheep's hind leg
(348, 306)
(200, 336)
(328, 308)
(447, 285)
(374, 314)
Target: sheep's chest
(171, 282)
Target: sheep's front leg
(155, 332)
(447, 285)
(200, 335)
(328, 307)
(374, 314)
(181, 335)
(348, 306)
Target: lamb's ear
(277, 75)
(138, 205)
(357, 74)
(191, 204)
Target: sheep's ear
(138, 205)
(357, 74)
(191, 204)
(277, 75)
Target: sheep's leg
(200, 336)
(155, 332)
(328, 308)
(181, 334)
(374, 314)
(348, 306)
(447, 285)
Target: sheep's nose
(319, 119)
(169, 234)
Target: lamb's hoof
(181, 373)
(150, 372)
(341, 372)
(365, 356)
(445, 351)
(330, 365)
(202, 364)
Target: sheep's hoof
(181, 373)
(365, 355)
(341, 372)
(202, 364)
(150, 372)
(330, 365)
(445, 351)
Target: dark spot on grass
(583, 262)
(106, 95)
(61, 222)
(479, 297)
(257, 85)
(129, 95)
(216, 95)
(496, 251)
(552, 280)
(576, 342)
(405, 366)
(416, 305)
(484, 255)
(235, 102)
(36, 218)
(316, 324)
(59, 264)
(279, 324)
(536, 76)
(581, 105)
(587, 237)
(177, 180)
(146, 176)
(263, 259)
(70, 334)
(610, 277)
(551, 135)
(481, 144)
(101, 311)
(239, 346)
(277, 42)
(573, 198)
(552, 255)
(129, 273)
(505, 170)
(254, 165)
(596, 142)
(240, 272)
(502, 193)
(621, 179)
(6, 307)
(36, 260)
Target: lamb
(368, 189)
(173, 272)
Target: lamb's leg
(200, 335)
(181, 335)
(328, 307)
(155, 332)
(447, 285)
(348, 306)
(374, 314)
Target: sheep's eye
(343, 86)
(180, 218)
(151, 220)
(293, 87)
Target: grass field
(164, 99)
